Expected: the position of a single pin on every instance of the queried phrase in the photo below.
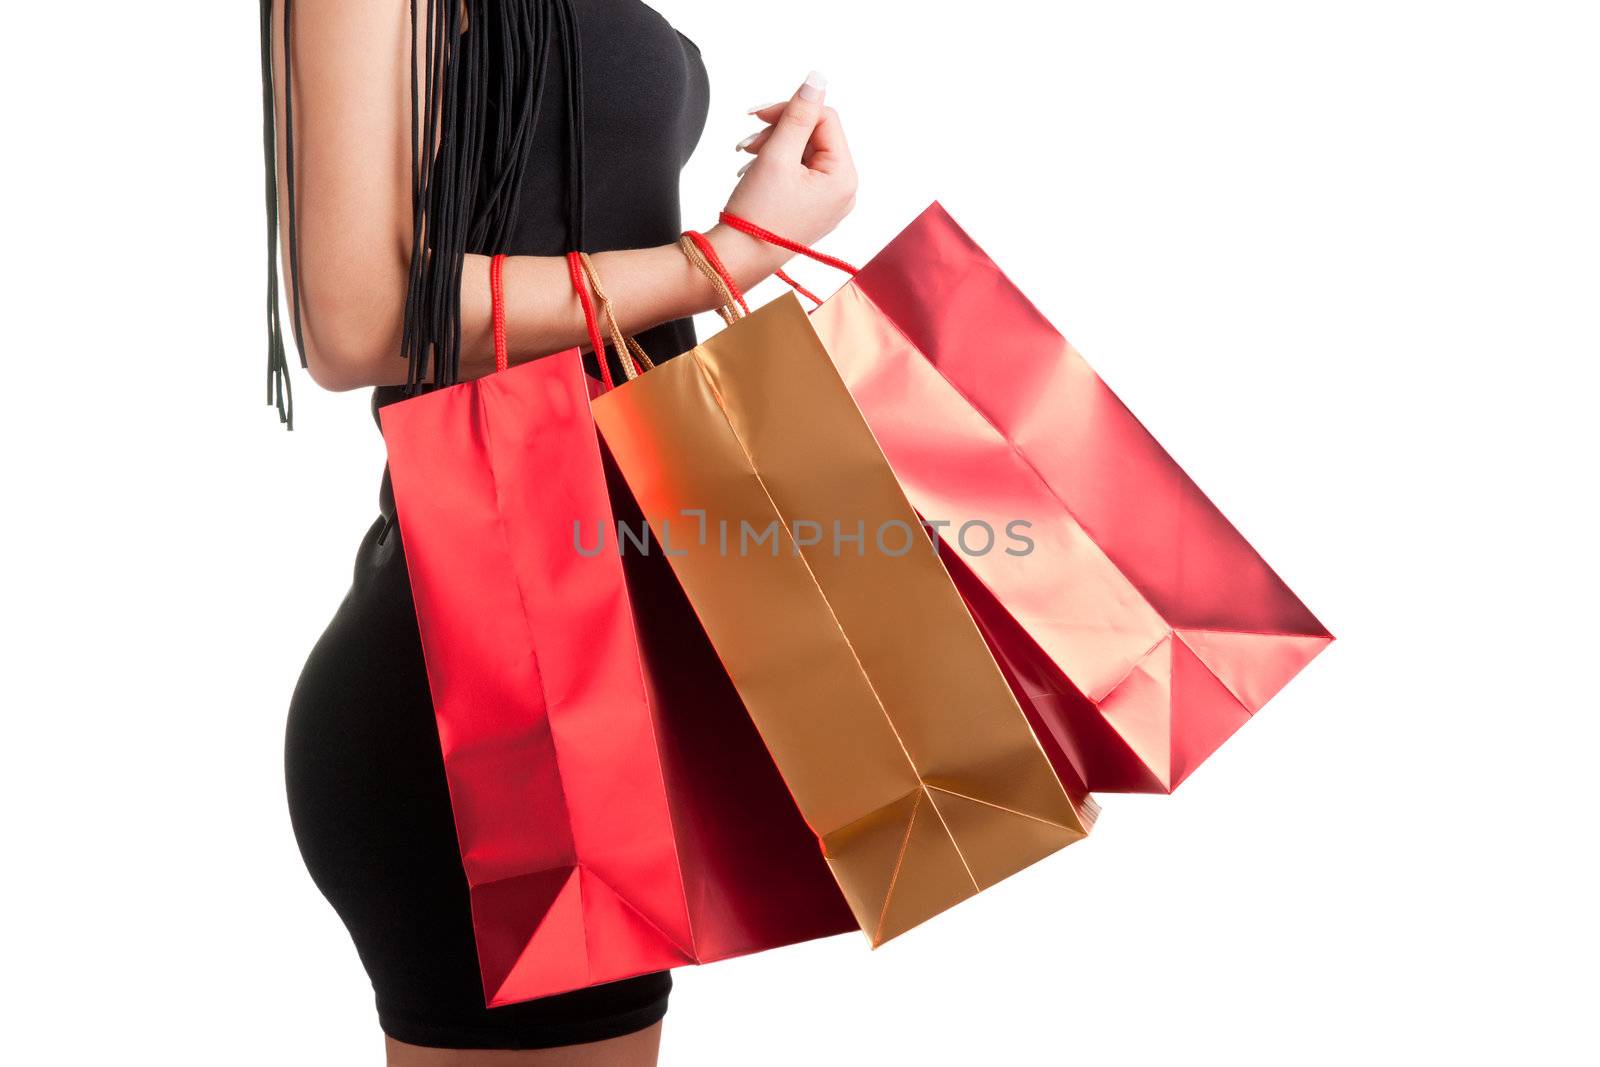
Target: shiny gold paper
(881, 705)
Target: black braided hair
(468, 162)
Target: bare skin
(352, 114)
(352, 164)
(634, 1050)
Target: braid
(469, 162)
(279, 393)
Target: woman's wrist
(749, 260)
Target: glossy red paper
(616, 811)
(1141, 629)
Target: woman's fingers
(791, 130)
(804, 122)
(769, 113)
(826, 150)
(755, 142)
(829, 151)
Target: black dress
(366, 780)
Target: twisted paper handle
(635, 360)
(703, 256)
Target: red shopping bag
(1134, 622)
(616, 810)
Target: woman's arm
(352, 112)
(647, 286)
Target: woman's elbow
(351, 345)
(344, 370)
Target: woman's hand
(801, 184)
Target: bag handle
(497, 303)
(497, 314)
(695, 246)
(700, 252)
(602, 311)
(634, 359)
(630, 353)
(761, 233)
(581, 287)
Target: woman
(527, 127)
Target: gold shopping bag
(812, 575)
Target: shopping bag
(883, 709)
(1135, 622)
(616, 811)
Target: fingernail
(815, 85)
(764, 107)
(746, 167)
(747, 142)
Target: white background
(1342, 259)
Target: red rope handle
(497, 298)
(783, 276)
(703, 243)
(762, 234)
(580, 284)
